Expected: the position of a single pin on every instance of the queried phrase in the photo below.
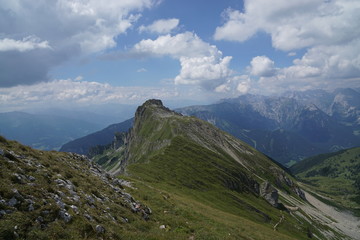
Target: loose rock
(64, 215)
(12, 202)
(100, 229)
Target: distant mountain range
(291, 127)
(287, 128)
(103, 137)
(47, 132)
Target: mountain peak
(312, 108)
(151, 104)
(153, 107)
(156, 102)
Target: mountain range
(205, 167)
(290, 127)
(287, 128)
(47, 132)
(168, 177)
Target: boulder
(64, 215)
(100, 229)
(269, 193)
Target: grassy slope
(333, 175)
(182, 169)
(189, 204)
(44, 221)
(199, 176)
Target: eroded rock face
(269, 193)
(282, 179)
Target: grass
(46, 167)
(202, 183)
(334, 175)
(212, 214)
(212, 192)
(185, 217)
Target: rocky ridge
(191, 157)
(166, 125)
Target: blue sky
(84, 52)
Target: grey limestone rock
(64, 215)
(12, 202)
(100, 229)
(269, 193)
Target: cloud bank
(329, 31)
(69, 92)
(67, 28)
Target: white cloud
(26, 44)
(201, 63)
(140, 70)
(71, 27)
(262, 66)
(329, 31)
(293, 24)
(208, 72)
(183, 44)
(79, 78)
(75, 92)
(236, 28)
(234, 86)
(162, 26)
(243, 87)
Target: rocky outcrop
(269, 193)
(48, 187)
(284, 182)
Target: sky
(85, 52)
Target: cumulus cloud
(162, 26)
(208, 71)
(183, 44)
(235, 85)
(26, 44)
(262, 66)
(293, 24)
(201, 63)
(243, 87)
(329, 31)
(70, 27)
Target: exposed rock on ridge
(45, 188)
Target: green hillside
(335, 175)
(54, 195)
(212, 185)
